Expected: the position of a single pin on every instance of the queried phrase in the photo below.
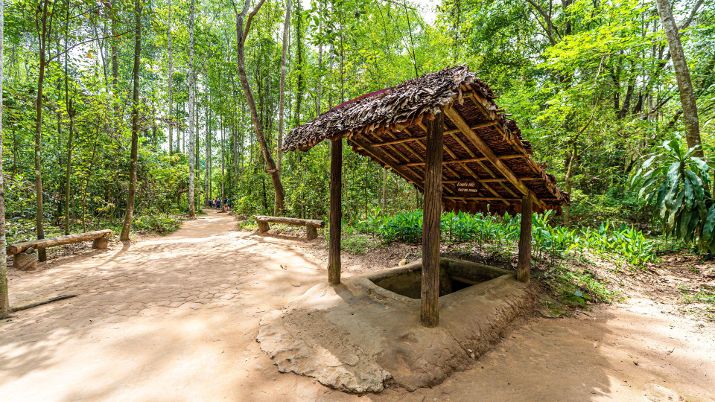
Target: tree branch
(252, 14)
(49, 59)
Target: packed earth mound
(359, 337)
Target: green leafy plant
(677, 185)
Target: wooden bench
(311, 225)
(24, 253)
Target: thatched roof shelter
(443, 133)
(487, 166)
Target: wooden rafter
(463, 165)
(468, 160)
(482, 147)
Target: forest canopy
(165, 104)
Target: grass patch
(706, 294)
(358, 243)
(577, 287)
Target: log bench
(311, 225)
(24, 253)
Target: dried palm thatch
(487, 166)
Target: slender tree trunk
(169, 81)
(223, 159)
(207, 177)
(300, 81)
(281, 90)
(192, 113)
(319, 83)
(682, 76)
(44, 25)
(4, 294)
(241, 34)
(126, 227)
(70, 111)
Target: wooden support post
(429, 313)
(524, 264)
(25, 261)
(336, 213)
(263, 226)
(311, 232)
(100, 243)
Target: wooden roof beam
(494, 180)
(422, 137)
(463, 165)
(482, 146)
(468, 160)
(467, 199)
(478, 126)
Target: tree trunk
(300, 81)
(169, 81)
(281, 89)
(241, 34)
(682, 75)
(45, 27)
(4, 294)
(126, 227)
(192, 113)
(523, 265)
(70, 111)
(209, 136)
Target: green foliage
(358, 243)
(624, 242)
(591, 89)
(677, 185)
(156, 223)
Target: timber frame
(443, 133)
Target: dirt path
(175, 318)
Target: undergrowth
(156, 223)
(623, 243)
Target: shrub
(624, 242)
(156, 223)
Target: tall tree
(126, 227)
(282, 85)
(192, 112)
(242, 30)
(43, 23)
(4, 294)
(209, 138)
(682, 76)
(170, 79)
(71, 113)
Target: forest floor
(175, 318)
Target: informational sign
(467, 187)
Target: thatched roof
(487, 166)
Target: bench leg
(312, 232)
(25, 261)
(101, 243)
(263, 227)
